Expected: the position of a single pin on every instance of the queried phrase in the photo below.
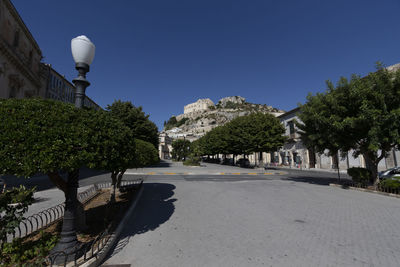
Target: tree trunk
(58, 181)
(119, 179)
(114, 184)
(371, 164)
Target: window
(291, 127)
(16, 39)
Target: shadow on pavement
(154, 208)
(162, 164)
(312, 180)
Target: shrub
(359, 175)
(192, 161)
(390, 184)
(13, 204)
(27, 253)
(146, 154)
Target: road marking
(221, 173)
(151, 173)
(267, 173)
(169, 173)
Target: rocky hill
(201, 116)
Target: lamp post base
(65, 249)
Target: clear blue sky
(164, 54)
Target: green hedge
(390, 184)
(192, 161)
(359, 175)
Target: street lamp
(83, 53)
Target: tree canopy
(46, 136)
(180, 149)
(136, 120)
(360, 114)
(256, 132)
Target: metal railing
(91, 249)
(43, 219)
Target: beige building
(199, 105)
(165, 146)
(295, 155)
(20, 70)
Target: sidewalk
(167, 167)
(48, 198)
(307, 169)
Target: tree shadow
(154, 208)
(314, 180)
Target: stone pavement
(259, 223)
(168, 167)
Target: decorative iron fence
(89, 250)
(43, 219)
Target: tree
(51, 137)
(360, 114)
(136, 120)
(180, 149)
(256, 132)
(146, 154)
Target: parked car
(243, 163)
(392, 173)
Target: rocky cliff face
(195, 124)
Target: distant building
(165, 146)
(20, 70)
(199, 105)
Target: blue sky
(164, 54)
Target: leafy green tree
(13, 204)
(360, 114)
(51, 137)
(135, 119)
(256, 132)
(180, 149)
(146, 154)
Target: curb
(365, 190)
(112, 240)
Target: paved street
(256, 220)
(228, 216)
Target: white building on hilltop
(199, 105)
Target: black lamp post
(83, 53)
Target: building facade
(59, 88)
(199, 105)
(295, 155)
(165, 146)
(21, 74)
